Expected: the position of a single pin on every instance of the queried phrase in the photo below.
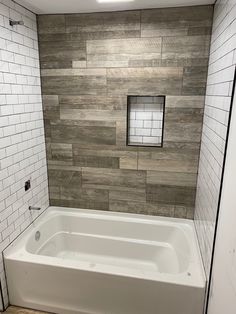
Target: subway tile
(219, 84)
(156, 132)
(136, 123)
(143, 115)
(156, 124)
(143, 132)
(155, 140)
(5, 11)
(21, 144)
(135, 139)
(148, 124)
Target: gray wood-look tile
(179, 154)
(93, 102)
(129, 163)
(64, 177)
(50, 24)
(74, 134)
(142, 208)
(137, 195)
(104, 150)
(90, 63)
(80, 35)
(122, 52)
(194, 80)
(174, 21)
(183, 115)
(112, 178)
(51, 109)
(184, 211)
(80, 203)
(124, 47)
(61, 151)
(144, 81)
(172, 178)
(56, 64)
(96, 161)
(199, 30)
(123, 60)
(102, 22)
(92, 115)
(173, 195)
(167, 165)
(64, 85)
(186, 48)
(85, 197)
(183, 132)
(65, 51)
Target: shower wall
(22, 142)
(217, 107)
(89, 64)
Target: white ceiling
(83, 6)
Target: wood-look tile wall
(90, 63)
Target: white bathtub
(106, 263)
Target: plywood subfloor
(19, 310)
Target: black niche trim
(128, 121)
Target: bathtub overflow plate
(37, 236)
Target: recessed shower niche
(145, 120)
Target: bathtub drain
(37, 236)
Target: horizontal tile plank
(92, 115)
(179, 101)
(113, 178)
(174, 21)
(172, 178)
(149, 81)
(79, 134)
(93, 102)
(174, 195)
(74, 85)
(142, 208)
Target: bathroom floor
(19, 310)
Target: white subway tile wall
(145, 120)
(217, 106)
(22, 143)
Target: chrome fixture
(34, 208)
(12, 23)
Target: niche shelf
(145, 120)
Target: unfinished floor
(19, 310)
